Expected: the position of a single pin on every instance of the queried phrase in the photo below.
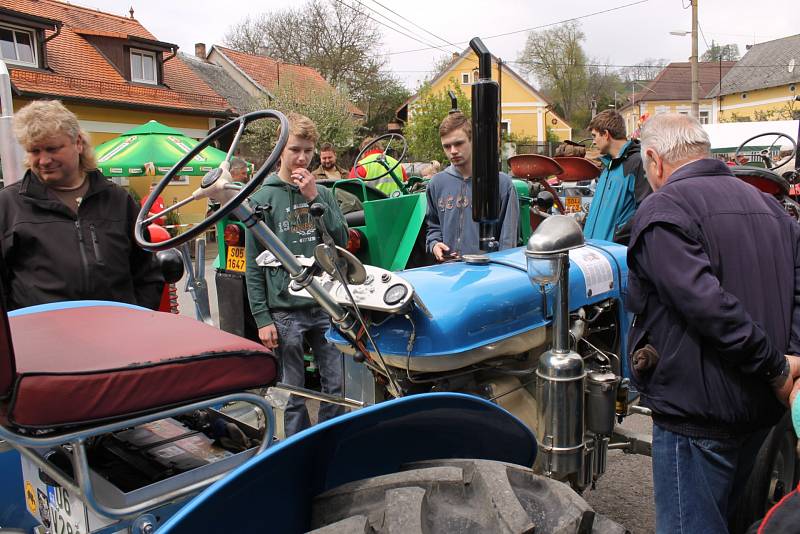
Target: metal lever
(196, 281)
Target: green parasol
(152, 149)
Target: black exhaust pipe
(485, 149)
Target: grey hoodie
(449, 216)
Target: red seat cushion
(86, 365)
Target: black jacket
(714, 282)
(50, 254)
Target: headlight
(543, 271)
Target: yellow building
(111, 72)
(763, 85)
(525, 113)
(671, 92)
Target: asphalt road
(624, 493)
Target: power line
(404, 34)
(394, 23)
(417, 25)
(534, 27)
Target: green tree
(426, 113)
(718, 52)
(557, 59)
(330, 111)
(381, 102)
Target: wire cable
(458, 48)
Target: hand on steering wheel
(216, 184)
(764, 154)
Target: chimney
(200, 50)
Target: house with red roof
(671, 92)
(108, 69)
(260, 76)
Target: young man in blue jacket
(714, 283)
(621, 186)
(451, 232)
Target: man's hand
(786, 389)
(303, 179)
(439, 251)
(269, 336)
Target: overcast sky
(621, 37)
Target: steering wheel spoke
(382, 157)
(215, 183)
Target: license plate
(55, 507)
(572, 204)
(236, 260)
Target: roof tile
(80, 71)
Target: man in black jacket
(714, 283)
(67, 231)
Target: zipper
(96, 245)
(84, 260)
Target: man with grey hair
(714, 275)
(238, 170)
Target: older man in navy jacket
(714, 284)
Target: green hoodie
(268, 287)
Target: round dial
(395, 294)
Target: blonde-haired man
(283, 320)
(67, 231)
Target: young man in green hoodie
(283, 320)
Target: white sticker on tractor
(596, 269)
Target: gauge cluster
(382, 291)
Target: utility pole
(695, 66)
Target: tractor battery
(139, 456)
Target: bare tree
(556, 57)
(644, 70)
(338, 41)
(718, 52)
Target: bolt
(148, 528)
(385, 277)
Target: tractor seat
(763, 179)
(83, 363)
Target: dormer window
(18, 45)
(143, 66)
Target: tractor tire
(775, 473)
(456, 496)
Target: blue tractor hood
(481, 311)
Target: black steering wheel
(391, 137)
(764, 154)
(210, 179)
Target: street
(624, 493)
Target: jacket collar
(34, 188)
(700, 167)
(628, 148)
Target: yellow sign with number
(572, 204)
(236, 260)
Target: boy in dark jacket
(282, 319)
(67, 231)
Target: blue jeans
(309, 324)
(698, 481)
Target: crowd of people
(713, 281)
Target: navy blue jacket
(714, 282)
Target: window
(143, 66)
(18, 46)
(465, 78)
(505, 129)
(704, 116)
